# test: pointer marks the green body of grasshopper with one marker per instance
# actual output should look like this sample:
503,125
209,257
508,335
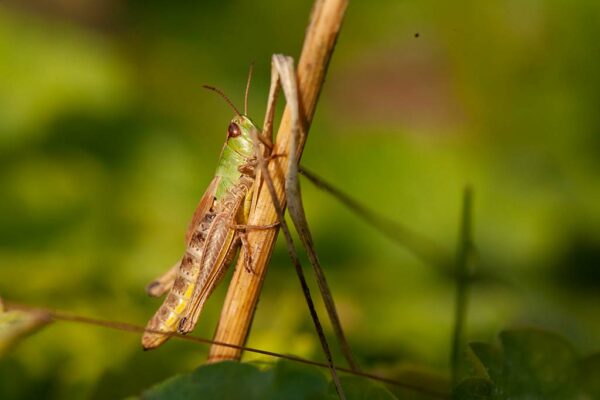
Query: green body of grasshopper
211,240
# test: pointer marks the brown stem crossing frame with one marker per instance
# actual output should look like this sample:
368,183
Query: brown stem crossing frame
244,289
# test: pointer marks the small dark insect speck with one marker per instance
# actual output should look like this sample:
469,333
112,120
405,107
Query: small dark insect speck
417,34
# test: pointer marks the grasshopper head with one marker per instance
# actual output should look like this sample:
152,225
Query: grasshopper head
239,135
239,131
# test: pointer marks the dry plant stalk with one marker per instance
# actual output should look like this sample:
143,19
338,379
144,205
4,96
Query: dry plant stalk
244,289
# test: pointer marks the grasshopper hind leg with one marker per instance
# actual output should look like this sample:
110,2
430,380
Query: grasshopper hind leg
163,283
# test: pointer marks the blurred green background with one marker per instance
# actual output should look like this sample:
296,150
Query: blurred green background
107,142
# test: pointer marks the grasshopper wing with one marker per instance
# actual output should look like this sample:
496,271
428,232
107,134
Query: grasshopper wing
217,256
203,207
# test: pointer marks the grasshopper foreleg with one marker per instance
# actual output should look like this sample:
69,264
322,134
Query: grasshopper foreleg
266,141
244,228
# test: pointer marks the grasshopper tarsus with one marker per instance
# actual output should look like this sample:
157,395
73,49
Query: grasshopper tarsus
153,289
248,264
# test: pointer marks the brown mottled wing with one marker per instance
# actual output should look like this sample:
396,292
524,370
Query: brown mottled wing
214,266
203,207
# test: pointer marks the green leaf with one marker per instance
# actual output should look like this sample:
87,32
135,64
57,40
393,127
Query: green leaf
487,360
356,388
538,364
473,389
281,381
225,380
294,381
531,364
590,376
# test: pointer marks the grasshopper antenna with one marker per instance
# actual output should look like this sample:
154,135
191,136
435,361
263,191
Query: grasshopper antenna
214,89
248,88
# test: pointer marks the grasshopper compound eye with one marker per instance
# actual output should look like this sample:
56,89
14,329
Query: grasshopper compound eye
233,130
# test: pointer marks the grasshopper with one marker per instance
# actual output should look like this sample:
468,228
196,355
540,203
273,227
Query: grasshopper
214,235
221,219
